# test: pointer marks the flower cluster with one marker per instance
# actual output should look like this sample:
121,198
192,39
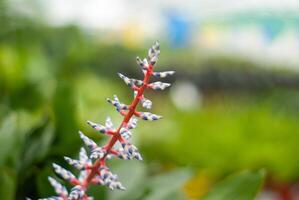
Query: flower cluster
91,164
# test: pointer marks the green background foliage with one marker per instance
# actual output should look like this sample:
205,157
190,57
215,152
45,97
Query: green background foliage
54,79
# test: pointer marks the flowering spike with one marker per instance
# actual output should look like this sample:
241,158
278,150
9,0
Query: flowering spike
93,167
88,142
158,85
63,173
59,189
163,74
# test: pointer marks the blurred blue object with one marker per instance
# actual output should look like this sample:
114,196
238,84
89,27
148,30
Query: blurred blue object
178,30
272,29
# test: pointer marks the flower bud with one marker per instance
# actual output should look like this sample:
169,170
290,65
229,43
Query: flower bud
63,173
158,85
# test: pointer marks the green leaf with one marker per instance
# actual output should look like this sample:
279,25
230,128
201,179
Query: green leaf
8,139
244,186
132,175
168,186
8,184
38,144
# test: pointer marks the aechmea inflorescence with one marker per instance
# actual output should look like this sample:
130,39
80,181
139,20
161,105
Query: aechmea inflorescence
92,165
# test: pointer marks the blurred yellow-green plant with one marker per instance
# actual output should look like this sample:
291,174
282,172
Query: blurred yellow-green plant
54,78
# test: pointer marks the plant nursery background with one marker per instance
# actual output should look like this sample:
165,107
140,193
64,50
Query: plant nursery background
233,108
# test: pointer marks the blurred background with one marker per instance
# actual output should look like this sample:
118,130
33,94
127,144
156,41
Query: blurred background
233,106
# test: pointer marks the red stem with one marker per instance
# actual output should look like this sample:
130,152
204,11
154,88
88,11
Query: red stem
117,136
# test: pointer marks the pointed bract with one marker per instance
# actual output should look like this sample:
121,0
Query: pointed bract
125,133
119,106
158,85
63,173
98,153
131,150
142,64
77,193
146,103
163,74
83,155
87,141
59,189
98,127
75,163
149,116
109,124
132,123
153,53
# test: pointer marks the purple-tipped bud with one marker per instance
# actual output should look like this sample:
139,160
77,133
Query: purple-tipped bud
124,155
83,155
98,127
59,189
132,123
127,80
158,85
125,133
142,64
149,116
131,82
75,163
97,153
106,175
116,185
87,141
163,74
77,193
137,82
110,180
131,150
119,106
109,124
146,103
153,53
63,173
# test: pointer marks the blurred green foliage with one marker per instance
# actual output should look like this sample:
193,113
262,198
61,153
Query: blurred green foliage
54,79
243,186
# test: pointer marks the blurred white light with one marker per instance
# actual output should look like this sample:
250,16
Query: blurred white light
185,95
268,195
